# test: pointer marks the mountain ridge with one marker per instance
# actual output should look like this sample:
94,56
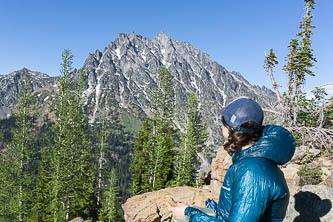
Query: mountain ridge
126,72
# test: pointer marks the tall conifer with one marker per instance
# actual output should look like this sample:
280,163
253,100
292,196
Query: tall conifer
16,164
193,141
111,210
138,168
160,154
152,165
72,178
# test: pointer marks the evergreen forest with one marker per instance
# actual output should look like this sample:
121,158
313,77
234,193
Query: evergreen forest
60,169
56,169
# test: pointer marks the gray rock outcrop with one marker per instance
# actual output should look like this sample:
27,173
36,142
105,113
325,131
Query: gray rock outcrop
309,203
125,73
153,206
128,70
313,203
10,87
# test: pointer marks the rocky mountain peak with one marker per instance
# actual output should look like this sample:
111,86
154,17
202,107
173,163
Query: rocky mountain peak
164,40
10,87
127,72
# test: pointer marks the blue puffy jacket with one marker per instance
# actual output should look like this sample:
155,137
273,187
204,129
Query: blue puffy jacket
254,188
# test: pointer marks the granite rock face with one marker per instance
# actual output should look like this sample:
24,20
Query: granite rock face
126,72
219,167
10,87
153,206
312,203
309,203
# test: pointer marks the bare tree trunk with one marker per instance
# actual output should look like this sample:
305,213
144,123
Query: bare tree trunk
275,86
296,99
153,178
67,210
100,167
321,116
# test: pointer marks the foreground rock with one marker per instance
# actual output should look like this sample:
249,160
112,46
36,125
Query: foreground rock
308,203
153,206
312,203
219,167
79,219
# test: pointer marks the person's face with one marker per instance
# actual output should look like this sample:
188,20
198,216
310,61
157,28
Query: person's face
225,132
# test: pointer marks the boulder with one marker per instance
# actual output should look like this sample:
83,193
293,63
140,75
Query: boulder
219,167
311,204
291,176
300,153
307,203
152,206
329,181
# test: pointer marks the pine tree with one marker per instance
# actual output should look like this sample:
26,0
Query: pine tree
102,135
328,113
152,165
304,58
16,164
138,166
300,60
45,138
72,178
42,198
270,62
311,112
160,154
111,210
288,102
193,141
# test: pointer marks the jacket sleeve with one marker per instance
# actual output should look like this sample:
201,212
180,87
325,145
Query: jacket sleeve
250,193
196,215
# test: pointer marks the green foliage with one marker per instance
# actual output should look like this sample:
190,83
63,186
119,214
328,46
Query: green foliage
328,113
309,175
59,177
111,209
160,154
138,168
71,162
304,56
310,113
300,60
270,60
131,123
193,141
290,67
114,148
6,131
153,149
16,163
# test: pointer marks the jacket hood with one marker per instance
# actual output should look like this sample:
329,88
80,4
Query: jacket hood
276,144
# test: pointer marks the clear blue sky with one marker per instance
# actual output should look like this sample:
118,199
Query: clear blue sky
235,33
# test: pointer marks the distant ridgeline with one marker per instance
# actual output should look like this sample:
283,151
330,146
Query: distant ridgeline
128,70
117,95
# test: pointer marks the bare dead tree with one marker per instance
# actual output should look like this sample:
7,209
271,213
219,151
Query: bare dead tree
270,62
315,137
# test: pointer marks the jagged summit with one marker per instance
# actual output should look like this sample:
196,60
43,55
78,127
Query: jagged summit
126,71
10,87
29,72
